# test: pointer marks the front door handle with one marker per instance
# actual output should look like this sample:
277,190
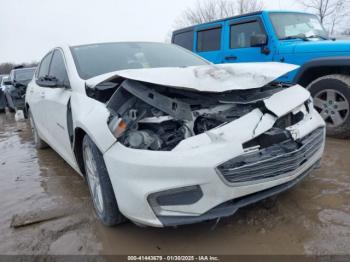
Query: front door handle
231,58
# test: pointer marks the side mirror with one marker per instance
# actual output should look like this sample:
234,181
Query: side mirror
49,81
258,40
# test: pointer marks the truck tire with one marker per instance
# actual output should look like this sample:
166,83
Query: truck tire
331,94
100,185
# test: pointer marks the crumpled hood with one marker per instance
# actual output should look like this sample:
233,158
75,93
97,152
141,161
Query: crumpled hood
208,78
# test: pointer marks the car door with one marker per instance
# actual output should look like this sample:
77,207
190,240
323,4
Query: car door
208,42
57,101
35,97
237,44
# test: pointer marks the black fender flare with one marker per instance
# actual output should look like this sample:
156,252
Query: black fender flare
333,63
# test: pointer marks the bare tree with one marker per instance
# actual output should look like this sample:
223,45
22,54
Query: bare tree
246,6
339,14
209,10
330,12
346,32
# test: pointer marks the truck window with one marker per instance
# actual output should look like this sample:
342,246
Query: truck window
240,34
209,39
184,39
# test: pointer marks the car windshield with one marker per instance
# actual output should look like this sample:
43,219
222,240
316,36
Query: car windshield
24,74
297,25
97,59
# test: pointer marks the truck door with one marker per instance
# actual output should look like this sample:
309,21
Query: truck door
239,41
209,42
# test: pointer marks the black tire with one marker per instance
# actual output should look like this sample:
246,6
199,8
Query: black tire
39,143
337,118
109,214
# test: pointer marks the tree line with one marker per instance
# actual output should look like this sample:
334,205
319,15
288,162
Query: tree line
5,68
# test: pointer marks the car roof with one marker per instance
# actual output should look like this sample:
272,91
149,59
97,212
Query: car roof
24,69
235,17
218,20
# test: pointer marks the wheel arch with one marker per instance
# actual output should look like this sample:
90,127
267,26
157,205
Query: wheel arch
26,110
320,67
79,135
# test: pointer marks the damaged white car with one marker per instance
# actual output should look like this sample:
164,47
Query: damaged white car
164,138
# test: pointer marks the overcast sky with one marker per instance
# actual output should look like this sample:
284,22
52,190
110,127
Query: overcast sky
29,28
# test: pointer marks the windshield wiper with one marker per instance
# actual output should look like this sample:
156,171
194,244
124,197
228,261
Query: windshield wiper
318,36
299,36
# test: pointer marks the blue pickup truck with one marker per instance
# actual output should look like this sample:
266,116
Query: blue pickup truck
287,37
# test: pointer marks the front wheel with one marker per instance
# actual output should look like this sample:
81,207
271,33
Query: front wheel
331,96
100,186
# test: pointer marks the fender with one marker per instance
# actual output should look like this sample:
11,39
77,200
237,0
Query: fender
335,64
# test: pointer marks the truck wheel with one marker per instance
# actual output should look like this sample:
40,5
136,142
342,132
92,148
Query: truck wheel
100,185
331,96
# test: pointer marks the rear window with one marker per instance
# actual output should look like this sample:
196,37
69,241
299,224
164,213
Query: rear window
184,39
209,39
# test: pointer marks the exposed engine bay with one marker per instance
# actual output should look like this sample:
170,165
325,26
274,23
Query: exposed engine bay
153,117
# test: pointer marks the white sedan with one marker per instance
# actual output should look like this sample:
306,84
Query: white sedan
165,138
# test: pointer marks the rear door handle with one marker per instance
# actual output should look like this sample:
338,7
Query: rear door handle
42,94
231,58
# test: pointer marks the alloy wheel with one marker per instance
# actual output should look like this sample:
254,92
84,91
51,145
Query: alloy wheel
93,179
332,106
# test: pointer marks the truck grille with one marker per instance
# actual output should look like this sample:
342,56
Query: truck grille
272,161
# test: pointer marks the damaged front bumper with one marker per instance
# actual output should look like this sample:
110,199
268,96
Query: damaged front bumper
213,174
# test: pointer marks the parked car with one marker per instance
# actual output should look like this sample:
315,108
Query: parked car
165,138
16,91
3,78
288,37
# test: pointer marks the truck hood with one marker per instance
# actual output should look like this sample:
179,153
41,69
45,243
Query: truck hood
208,78
322,46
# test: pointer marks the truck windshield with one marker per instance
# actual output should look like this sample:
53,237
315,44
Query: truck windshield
97,59
297,25
24,74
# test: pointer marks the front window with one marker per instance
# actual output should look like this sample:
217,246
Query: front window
241,34
24,74
297,25
97,59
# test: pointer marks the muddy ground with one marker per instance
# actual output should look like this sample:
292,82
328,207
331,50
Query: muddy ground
312,218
